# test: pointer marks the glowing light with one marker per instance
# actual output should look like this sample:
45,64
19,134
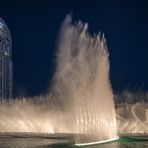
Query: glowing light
97,142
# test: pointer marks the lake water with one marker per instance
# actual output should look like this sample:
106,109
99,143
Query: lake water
60,141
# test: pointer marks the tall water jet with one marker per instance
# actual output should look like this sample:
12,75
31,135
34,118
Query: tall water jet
81,82
80,96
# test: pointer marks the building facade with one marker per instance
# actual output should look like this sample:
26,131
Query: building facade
5,62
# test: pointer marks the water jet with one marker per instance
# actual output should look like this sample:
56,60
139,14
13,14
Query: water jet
80,96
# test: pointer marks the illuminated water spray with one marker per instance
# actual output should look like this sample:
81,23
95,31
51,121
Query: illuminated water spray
82,81
80,98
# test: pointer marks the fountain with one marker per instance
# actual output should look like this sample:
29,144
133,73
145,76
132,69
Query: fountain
80,99
132,116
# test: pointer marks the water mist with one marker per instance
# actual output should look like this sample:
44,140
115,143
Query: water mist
80,96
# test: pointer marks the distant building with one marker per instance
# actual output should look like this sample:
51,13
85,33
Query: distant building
5,62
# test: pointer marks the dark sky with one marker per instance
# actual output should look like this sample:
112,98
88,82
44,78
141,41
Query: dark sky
34,29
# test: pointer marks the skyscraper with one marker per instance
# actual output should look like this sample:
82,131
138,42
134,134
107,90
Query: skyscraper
5,62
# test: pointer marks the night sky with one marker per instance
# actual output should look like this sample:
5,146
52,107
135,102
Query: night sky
34,29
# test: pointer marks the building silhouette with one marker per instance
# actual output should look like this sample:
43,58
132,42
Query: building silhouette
5,62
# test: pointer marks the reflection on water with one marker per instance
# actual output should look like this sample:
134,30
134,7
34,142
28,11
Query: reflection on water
13,141
46,143
123,145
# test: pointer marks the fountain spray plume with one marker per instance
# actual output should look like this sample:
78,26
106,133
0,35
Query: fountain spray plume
81,82
80,96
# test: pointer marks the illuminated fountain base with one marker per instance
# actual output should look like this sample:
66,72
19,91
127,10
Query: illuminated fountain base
63,140
97,142
44,139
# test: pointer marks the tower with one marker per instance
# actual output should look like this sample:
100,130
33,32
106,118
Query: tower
5,62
